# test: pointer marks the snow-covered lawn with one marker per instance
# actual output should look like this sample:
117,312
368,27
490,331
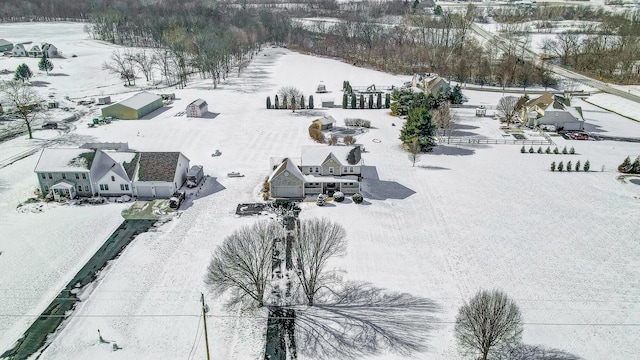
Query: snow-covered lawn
564,245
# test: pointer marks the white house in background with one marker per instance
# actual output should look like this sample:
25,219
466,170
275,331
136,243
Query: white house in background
321,169
18,50
568,119
50,50
197,108
84,172
35,51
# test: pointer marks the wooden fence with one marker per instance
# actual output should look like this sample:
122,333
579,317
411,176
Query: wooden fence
469,141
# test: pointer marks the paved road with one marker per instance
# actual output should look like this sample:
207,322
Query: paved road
532,57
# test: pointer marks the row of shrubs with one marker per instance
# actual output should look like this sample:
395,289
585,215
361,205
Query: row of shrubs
569,167
571,151
356,198
291,104
357,122
627,167
352,100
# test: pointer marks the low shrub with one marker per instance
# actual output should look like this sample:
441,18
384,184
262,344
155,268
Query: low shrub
338,196
357,198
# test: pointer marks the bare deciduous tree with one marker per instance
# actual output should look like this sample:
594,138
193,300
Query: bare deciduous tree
445,120
290,92
507,108
488,321
145,62
318,240
25,100
242,263
414,151
121,65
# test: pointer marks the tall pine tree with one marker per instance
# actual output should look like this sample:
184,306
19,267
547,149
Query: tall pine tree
419,126
45,64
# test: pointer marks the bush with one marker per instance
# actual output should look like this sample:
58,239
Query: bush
353,101
333,140
523,150
315,133
370,101
338,196
555,151
531,151
548,151
379,101
387,100
349,140
277,103
572,151
301,101
265,196
587,165
553,166
310,101
564,151
361,101
626,166
569,166
344,101
357,198
285,105
539,150
268,102
560,166
578,165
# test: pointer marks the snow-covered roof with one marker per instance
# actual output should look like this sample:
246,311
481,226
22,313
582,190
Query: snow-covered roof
558,116
105,162
326,120
199,103
287,165
63,184
140,100
316,155
4,42
65,160
330,179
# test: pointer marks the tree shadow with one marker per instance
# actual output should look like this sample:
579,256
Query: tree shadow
531,352
430,167
39,83
451,150
374,188
362,320
57,74
156,112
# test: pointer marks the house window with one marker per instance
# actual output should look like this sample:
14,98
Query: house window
126,187
84,176
101,187
331,170
64,175
122,187
44,176
46,189
351,169
106,187
113,178
77,176
86,188
79,187
50,176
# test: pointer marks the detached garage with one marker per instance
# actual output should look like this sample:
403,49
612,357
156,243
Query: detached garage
286,181
134,107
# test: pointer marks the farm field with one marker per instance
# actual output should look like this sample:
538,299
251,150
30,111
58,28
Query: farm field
563,245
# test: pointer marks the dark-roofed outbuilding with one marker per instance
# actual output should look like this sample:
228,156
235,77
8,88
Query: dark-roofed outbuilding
159,174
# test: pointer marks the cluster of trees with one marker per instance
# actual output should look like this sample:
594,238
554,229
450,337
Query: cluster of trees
571,151
244,264
292,98
359,102
628,167
569,167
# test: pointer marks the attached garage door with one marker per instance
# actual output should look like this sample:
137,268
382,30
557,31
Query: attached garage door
144,192
288,191
163,192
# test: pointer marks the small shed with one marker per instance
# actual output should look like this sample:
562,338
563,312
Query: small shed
134,107
328,103
327,122
105,100
481,111
5,45
197,108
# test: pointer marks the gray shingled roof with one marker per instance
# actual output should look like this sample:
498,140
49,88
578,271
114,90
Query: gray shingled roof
158,166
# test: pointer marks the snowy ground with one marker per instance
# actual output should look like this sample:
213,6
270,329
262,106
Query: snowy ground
564,245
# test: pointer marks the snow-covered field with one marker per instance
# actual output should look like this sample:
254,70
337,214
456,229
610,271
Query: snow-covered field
564,245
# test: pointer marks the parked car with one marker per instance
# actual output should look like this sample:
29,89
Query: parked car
50,125
176,199
579,136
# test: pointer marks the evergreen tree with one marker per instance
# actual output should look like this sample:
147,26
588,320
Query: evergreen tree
277,103
310,101
361,101
564,151
635,167
301,101
419,125
539,150
353,101
293,103
268,102
437,11
344,101
285,105
23,73
569,166
578,165
523,149
555,151
531,151
587,165
387,100
456,95
560,166
572,151
45,64
553,166
370,101
379,101
548,151
625,167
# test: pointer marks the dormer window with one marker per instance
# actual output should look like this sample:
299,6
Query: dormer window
113,178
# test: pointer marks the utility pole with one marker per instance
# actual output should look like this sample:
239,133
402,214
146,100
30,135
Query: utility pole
205,309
